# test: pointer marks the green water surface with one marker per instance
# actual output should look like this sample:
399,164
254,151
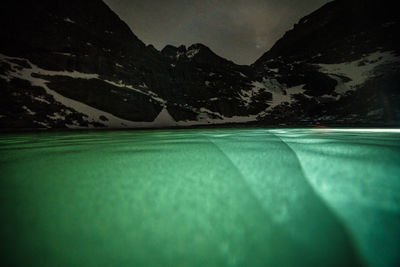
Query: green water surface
218,197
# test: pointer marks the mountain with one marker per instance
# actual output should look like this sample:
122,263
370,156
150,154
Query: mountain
344,57
216,88
76,64
67,60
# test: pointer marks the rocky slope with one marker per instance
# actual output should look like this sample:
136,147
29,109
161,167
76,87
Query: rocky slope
344,57
76,64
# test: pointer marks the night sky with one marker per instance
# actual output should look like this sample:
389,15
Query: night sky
239,30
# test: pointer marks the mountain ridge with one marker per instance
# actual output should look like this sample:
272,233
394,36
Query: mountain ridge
92,73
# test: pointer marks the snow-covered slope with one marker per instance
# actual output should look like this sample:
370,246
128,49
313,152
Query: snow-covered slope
346,58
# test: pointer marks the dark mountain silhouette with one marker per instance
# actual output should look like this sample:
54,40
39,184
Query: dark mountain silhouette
76,64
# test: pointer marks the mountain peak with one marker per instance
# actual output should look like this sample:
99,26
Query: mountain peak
334,25
197,51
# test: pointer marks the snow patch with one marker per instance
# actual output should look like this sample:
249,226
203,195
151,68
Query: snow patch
164,119
6,78
279,98
280,93
191,53
143,85
274,70
179,54
341,88
317,55
296,89
361,70
26,73
64,54
266,85
30,112
69,20
40,99
56,116
388,24
151,94
46,125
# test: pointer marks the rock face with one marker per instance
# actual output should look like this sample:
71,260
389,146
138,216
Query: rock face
212,86
76,64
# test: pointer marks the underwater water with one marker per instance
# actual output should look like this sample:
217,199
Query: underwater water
217,197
